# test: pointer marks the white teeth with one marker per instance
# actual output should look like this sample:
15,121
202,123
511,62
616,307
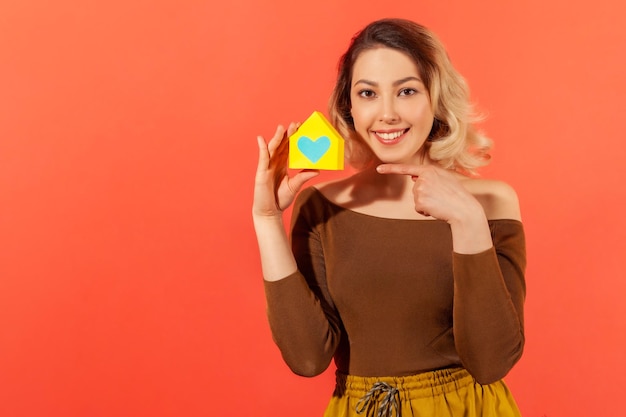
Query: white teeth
390,136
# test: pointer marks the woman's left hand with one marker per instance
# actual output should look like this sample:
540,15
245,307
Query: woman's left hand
438,192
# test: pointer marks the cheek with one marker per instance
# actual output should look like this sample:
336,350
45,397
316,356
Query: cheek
362,117
421,117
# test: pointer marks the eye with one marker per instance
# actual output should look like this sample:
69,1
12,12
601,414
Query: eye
366,93
407,92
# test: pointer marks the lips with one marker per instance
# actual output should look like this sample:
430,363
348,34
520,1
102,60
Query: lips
390,137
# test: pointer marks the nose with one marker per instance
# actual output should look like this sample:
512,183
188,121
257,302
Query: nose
388,113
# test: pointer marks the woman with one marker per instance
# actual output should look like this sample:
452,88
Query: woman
409,273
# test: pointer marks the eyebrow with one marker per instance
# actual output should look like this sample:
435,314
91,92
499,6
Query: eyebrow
395,83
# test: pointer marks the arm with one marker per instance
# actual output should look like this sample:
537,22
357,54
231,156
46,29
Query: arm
296,318
304,322
489,293
489,284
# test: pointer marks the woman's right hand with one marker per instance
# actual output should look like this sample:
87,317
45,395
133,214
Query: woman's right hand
274,190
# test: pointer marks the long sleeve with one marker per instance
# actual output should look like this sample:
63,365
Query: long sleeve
302,317
489,293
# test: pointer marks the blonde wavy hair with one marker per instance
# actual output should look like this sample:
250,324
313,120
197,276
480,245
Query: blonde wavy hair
453,141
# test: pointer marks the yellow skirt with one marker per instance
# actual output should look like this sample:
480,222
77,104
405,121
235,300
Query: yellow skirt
446,392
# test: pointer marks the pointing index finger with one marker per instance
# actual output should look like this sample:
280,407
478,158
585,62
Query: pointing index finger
402,169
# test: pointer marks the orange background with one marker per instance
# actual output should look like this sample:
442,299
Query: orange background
130,283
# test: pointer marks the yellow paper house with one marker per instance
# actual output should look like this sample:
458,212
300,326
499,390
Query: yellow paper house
316,145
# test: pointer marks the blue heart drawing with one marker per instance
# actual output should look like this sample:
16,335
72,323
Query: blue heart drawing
314,149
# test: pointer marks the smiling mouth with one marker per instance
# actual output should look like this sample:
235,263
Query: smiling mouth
390,138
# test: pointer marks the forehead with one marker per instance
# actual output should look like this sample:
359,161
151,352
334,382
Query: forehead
383,63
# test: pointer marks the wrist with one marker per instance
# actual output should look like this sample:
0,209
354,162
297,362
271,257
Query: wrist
471,214
267,219
470,232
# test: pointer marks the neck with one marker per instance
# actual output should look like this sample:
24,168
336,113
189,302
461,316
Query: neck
384,186
393,182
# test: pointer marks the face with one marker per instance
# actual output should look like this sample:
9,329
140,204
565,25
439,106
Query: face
390,105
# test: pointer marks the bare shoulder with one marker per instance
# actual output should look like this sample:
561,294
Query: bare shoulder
499,199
